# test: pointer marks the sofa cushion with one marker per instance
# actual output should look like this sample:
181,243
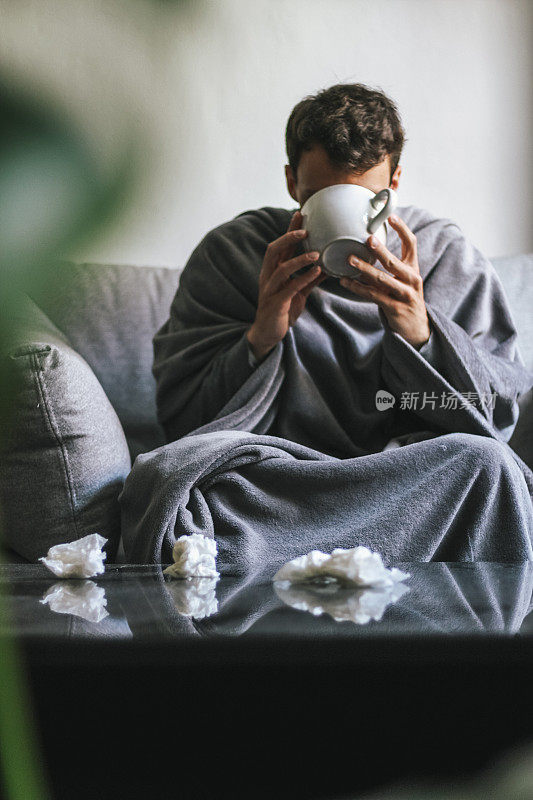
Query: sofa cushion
110,314
64,455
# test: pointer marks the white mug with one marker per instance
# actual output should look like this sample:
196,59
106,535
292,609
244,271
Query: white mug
339,219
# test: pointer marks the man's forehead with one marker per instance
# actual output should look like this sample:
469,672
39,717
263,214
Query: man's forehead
307,190
315,171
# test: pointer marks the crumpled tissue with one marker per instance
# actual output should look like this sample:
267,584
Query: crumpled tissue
343,604
355,566
195,597
194,557
81,598
80,559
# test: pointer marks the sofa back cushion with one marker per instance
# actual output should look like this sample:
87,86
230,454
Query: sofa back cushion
110,314
63,455
516,275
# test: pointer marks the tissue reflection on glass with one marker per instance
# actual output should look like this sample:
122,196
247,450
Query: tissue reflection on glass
81,598
355,566
82,558
195,563
324,584
194,557
194,597
341,603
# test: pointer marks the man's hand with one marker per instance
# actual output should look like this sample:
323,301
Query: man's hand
400,295
281,298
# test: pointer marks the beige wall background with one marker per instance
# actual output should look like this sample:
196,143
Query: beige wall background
209,86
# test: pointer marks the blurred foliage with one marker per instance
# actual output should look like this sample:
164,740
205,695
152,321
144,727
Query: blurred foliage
53,197
52,191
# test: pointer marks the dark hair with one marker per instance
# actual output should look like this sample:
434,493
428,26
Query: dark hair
356,125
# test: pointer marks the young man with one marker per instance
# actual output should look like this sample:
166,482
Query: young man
305,412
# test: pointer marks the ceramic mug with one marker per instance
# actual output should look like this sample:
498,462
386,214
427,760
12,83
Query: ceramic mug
339,219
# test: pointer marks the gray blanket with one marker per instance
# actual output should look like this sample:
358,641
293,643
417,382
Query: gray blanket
295,454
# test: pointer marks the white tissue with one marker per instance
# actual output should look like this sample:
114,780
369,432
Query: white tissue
80,559
195,597
194,557
359,605
82,599
357,566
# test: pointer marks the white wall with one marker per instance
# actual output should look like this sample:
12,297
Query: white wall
212,85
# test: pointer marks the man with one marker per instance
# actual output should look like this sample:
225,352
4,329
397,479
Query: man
305,412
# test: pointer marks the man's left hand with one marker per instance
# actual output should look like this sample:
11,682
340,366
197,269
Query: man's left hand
401,294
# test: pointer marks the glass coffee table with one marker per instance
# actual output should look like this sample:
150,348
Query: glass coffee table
150,686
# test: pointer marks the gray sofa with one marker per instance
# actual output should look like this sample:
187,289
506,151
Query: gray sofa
85,397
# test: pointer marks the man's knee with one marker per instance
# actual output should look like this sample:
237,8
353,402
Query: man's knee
484,451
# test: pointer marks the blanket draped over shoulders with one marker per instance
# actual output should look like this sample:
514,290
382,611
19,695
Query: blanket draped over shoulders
296,453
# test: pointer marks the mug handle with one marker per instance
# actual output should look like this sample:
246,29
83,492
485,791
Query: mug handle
382,215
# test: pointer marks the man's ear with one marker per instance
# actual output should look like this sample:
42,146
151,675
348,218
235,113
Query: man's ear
291,182
396,178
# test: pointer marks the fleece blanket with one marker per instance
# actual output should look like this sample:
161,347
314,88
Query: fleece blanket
296,454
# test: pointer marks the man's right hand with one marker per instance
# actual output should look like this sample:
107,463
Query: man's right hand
281,298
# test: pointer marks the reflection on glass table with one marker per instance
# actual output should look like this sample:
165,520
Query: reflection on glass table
342,604
79,598
141,602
